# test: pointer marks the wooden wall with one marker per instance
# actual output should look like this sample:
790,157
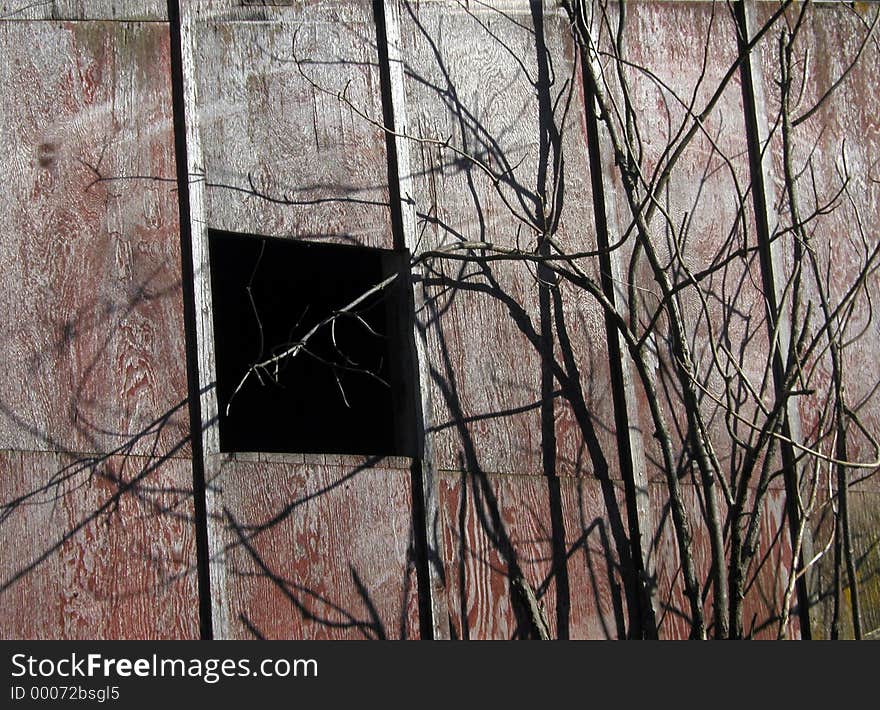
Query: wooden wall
840,144
521,424
521,476
95,474
709,185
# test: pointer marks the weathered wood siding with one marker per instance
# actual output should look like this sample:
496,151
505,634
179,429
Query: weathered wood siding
95,482
495,523
835,155
97,547
522,478
118,10
316,551
315,546
764,581
483,80
702,202
283,156
519,372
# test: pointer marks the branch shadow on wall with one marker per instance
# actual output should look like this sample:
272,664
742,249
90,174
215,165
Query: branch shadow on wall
509,545
98,523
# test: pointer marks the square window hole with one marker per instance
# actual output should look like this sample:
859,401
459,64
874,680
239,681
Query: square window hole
348,391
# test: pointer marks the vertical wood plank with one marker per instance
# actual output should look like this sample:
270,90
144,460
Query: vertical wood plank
775,275
631,453
90,292
833,148
97,500
483,319
428,468
701,202
331,163
207,408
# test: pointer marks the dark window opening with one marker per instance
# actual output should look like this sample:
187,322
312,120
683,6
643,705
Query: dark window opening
347,391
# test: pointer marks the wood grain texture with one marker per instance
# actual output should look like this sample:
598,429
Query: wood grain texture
322,547
839,142
257,10
96,547
435,587
836,146
766,577
92,325
701,202
335,559
483,80
84,10
196,234
313,551
493,524
319,169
